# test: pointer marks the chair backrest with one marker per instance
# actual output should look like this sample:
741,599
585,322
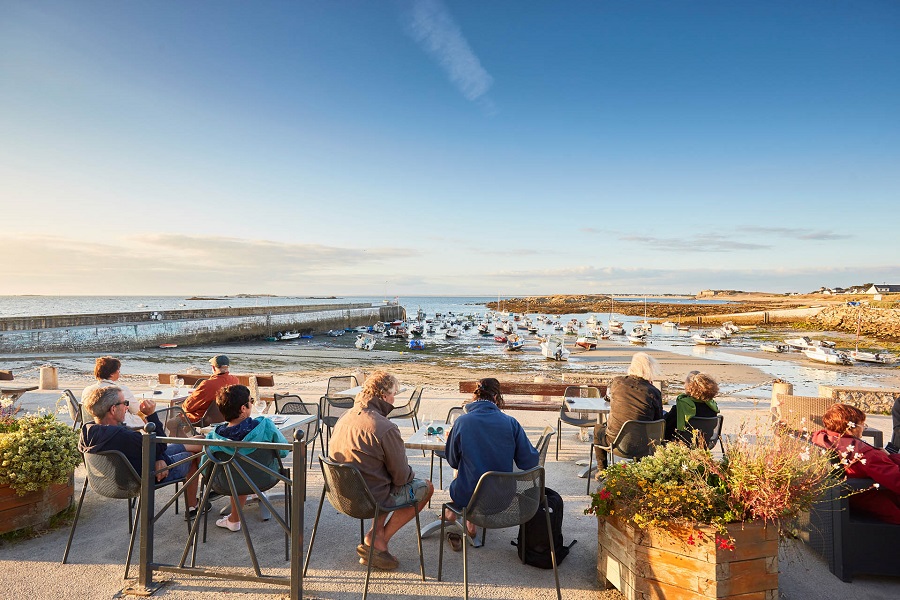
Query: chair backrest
410,408
453,414
176,422
581,391
506,499
211,416
543,443
111,475
347,490
74,407
708,428
311,429
280,399
638,439
256,465
338,384
797,412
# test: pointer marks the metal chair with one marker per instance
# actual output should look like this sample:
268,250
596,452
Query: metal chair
348,494
574,391
292,404
543,444
709,431
636,439
452,414
75,409
410,410
501,500
111,475
332,405
176,422
211,416
259,471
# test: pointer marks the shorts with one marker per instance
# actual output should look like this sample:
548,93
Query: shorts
175,453
414,491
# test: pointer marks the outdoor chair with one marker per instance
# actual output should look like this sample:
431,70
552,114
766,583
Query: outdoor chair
175,422
111,475
410,410
75,409
500,500
292,404
709,430
332,405
452,414
543,443
348,494
567,418
635,440
803,414
238,474
212,416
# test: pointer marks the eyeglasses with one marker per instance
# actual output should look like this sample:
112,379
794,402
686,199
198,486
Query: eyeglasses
125,402
435,430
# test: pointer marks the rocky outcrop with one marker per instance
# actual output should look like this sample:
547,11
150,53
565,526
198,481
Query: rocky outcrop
880,323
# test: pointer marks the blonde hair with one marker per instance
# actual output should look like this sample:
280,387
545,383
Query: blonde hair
702,387
378,384
644,366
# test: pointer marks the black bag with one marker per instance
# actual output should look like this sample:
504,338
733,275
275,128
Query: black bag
532,544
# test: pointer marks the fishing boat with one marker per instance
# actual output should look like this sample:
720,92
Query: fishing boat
616,328
554,348
365,341
331,333
417,344
775,348
669,324
500,338
379,327
829,356
509,327
704,339
591,321
287,335
637,336
514,343
683,327
570,329
730,327
416,329
484,328
588,342
168,346
451,333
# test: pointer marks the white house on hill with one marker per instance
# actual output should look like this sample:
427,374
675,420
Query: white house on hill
884,289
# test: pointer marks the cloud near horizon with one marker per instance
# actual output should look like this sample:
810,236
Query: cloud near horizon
432,27
697,243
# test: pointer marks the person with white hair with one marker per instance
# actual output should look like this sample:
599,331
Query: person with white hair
631,398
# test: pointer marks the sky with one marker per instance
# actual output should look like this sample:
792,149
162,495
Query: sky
432,147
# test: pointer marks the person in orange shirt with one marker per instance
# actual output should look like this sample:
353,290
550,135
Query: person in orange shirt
205,394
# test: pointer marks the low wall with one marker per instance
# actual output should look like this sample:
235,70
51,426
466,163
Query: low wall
875,401
125,331
762,317
881,323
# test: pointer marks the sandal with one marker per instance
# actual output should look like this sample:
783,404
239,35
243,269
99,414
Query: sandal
455,541
380,559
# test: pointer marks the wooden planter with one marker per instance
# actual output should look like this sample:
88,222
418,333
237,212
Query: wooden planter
653,564
34,508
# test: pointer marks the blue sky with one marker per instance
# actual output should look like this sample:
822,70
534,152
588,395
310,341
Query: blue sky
448,147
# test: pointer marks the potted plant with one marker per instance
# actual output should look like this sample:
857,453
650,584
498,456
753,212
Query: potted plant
682,523
38,456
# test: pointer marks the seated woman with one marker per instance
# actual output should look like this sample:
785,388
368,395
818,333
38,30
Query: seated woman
484,439
843,426
107,371
234,402
696,401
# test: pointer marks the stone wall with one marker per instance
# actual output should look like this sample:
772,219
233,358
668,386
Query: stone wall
881,323
873,401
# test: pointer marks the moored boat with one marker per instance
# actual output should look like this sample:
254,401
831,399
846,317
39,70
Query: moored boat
829,356
588,342
554,348
776,348
882,358
514,343
704,339
365,341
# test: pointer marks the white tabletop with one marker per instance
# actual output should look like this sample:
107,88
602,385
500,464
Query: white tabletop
167,394
587,405
420,440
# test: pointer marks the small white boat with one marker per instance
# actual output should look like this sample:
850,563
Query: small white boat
588,342
484,328
554,348
331,333
451,333
637,338
591,321
683,328
828,355
365,341
416,329
509,327
616,328
669,324
775,348
704,339
514,343
882,358
805,343
730,327
379,327
288,335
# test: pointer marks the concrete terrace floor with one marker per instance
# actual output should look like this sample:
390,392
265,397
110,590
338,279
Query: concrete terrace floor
32,569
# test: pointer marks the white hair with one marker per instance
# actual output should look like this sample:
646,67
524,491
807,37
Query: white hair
644,366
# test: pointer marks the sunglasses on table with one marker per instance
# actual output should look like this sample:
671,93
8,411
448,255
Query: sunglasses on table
435,430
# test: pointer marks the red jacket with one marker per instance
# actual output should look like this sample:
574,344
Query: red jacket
205,394
867,461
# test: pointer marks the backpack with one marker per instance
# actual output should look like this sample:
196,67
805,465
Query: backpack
533,547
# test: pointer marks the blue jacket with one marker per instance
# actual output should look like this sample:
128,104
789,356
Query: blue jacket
264,430
485,439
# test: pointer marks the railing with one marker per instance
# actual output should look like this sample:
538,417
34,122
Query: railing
293,526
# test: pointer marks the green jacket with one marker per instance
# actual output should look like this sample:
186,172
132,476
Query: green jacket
686,409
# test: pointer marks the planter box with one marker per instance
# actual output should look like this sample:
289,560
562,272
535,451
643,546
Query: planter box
34,508
653,564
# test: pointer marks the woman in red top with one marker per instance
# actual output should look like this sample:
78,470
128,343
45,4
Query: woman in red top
843,426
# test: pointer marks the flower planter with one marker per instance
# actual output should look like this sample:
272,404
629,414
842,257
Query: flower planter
644,564
34,508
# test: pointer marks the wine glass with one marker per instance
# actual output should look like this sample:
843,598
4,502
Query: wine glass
260,405
179,382
152,383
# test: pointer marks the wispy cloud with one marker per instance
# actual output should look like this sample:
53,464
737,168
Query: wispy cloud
697,243
435,30
797,233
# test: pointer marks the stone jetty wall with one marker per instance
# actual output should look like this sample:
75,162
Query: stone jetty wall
873,401
112,332
881,323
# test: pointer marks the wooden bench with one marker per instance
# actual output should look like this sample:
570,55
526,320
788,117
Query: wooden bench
263,381
6,376
525,388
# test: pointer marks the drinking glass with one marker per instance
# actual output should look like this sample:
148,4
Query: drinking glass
260,405
152,383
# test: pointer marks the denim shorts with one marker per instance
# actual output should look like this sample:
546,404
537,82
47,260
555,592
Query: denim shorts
174,453
414,491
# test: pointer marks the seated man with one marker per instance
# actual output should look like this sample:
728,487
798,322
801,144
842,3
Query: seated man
107,432
205,394
365,438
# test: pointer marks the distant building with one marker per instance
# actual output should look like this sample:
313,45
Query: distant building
883,289
707,293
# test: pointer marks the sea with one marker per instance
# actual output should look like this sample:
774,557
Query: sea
470,349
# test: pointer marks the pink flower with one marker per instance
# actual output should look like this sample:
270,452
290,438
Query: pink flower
604,494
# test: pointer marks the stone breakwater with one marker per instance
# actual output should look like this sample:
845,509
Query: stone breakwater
880,323
580,304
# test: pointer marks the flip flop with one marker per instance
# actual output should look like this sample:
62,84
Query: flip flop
455,541
380,559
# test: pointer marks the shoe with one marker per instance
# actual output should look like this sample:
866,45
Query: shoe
226,524
193,511
455,541
380,560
